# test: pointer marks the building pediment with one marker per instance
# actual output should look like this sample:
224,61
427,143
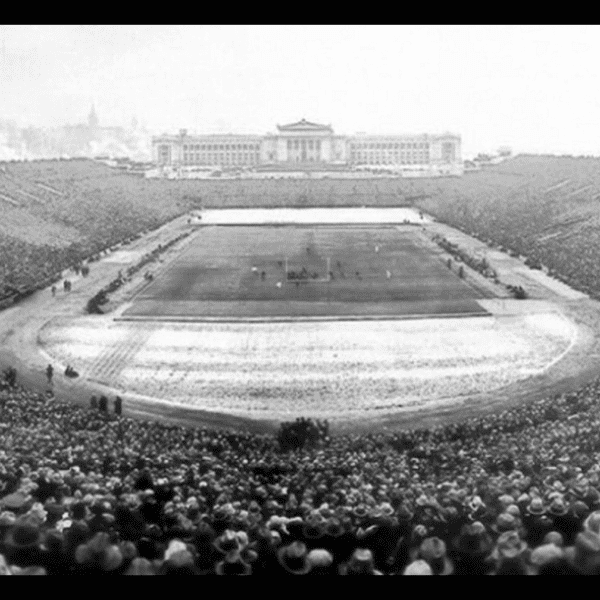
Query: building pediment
304,125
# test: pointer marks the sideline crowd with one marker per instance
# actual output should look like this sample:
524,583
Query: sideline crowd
87,491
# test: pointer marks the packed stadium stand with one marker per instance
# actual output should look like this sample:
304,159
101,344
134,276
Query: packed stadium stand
57,213
88,491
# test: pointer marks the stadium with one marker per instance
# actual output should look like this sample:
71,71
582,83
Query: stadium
305,370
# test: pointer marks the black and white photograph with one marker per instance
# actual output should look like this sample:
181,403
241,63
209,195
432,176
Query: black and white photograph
299,300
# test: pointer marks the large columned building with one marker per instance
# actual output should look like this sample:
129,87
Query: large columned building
306,146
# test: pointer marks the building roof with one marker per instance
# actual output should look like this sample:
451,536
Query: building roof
304,125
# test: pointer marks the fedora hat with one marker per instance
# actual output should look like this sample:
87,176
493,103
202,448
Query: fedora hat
361,563
15,502
506,500
579,510
558,507
25,533
334,529
554,537
585,554
418,567
99,552
233,564
592,522
505,522
140,566
536,507
228,541
433,551
312,530
545,554
319,558
293,558
509,546
474,540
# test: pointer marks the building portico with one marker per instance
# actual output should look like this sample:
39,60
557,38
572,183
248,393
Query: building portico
305,145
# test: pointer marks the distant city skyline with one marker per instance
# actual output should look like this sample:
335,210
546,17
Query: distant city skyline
532,88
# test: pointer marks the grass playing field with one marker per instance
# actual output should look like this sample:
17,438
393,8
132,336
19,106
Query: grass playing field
241,272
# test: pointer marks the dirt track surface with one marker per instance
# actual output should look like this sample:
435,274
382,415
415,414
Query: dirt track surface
19,346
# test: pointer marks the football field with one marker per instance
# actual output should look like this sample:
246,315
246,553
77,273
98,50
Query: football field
304,271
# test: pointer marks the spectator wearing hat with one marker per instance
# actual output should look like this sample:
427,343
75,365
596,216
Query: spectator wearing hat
233,564
54,558
584,556
336,539
206,554
592,522
293,559
313,532
418,567
433,551
546,558
321,562
7,520
267,543
360,563
98,556
553,537
537,521
75,534
418,534
509,554
472,548
178,560
507,522
23,543
17,502
567,520
140,566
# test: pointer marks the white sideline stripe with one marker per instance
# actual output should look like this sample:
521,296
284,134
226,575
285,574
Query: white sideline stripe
307,216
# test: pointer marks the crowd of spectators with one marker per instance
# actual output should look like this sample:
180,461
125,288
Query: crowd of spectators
87,491
74,211
94,304
517,205
542,208
62,213
95,492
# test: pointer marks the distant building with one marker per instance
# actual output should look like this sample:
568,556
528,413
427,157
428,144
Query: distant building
86,139
307,146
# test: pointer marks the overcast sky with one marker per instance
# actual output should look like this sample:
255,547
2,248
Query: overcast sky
535,89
